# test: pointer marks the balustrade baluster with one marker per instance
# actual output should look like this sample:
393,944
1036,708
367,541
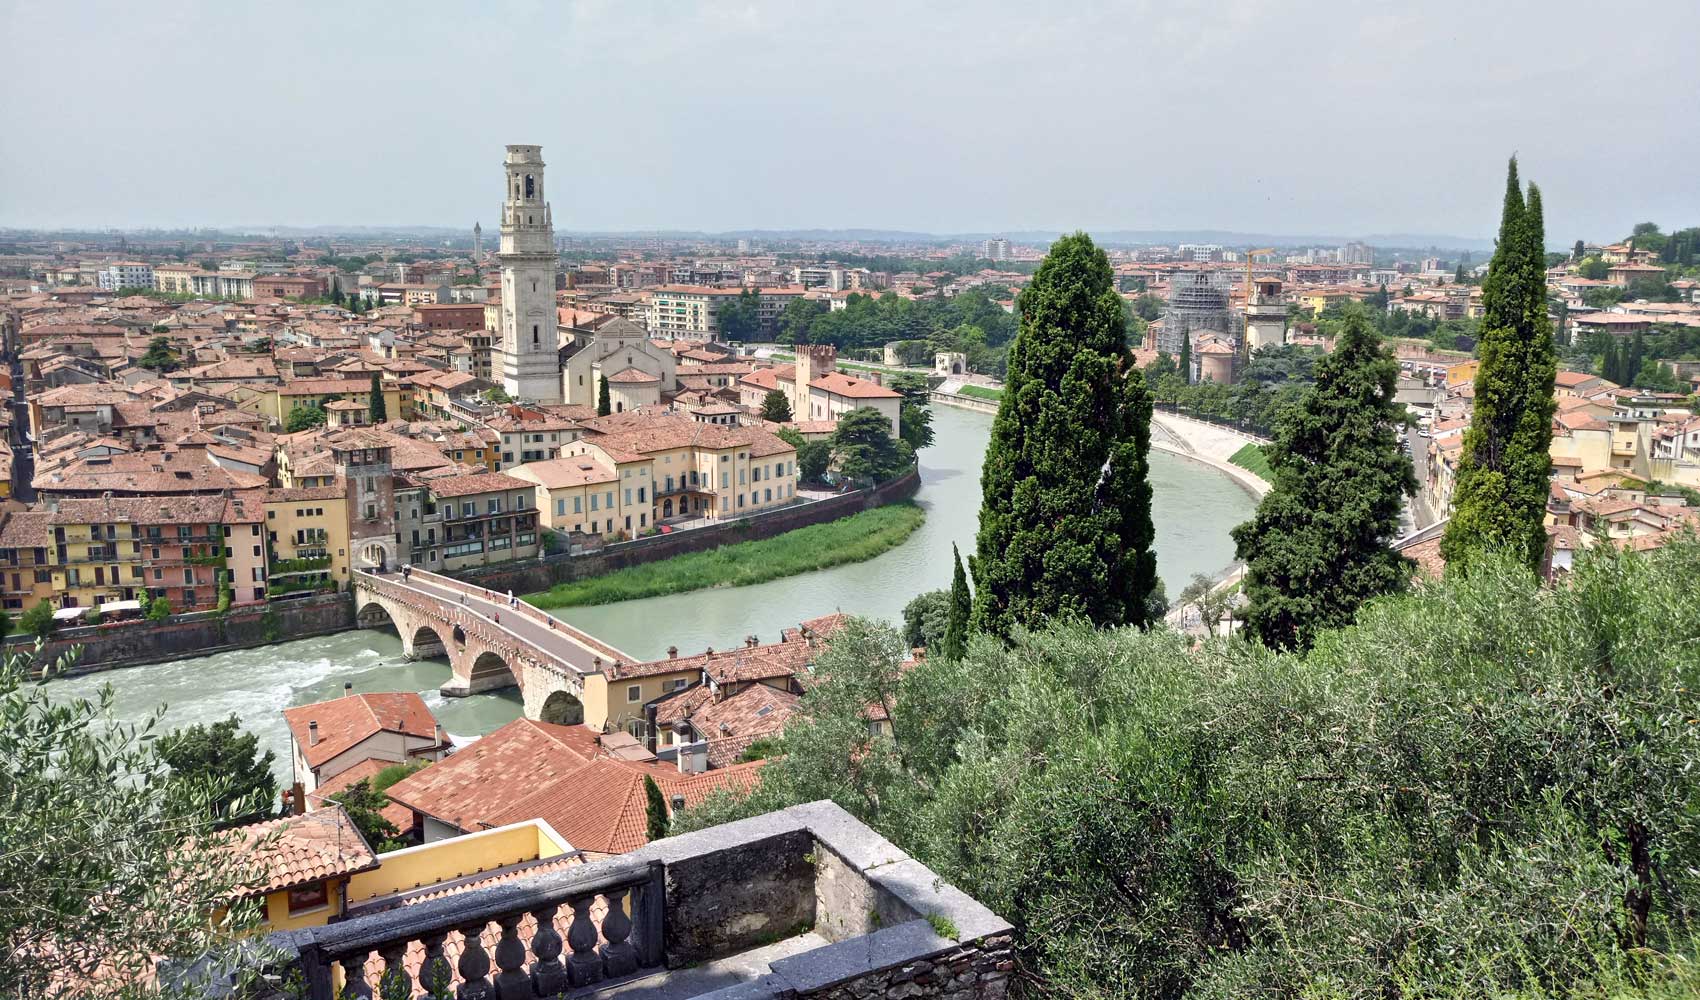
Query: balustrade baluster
585,966
436,976
474,965
619,957
548,975
512,982
395,983
354,983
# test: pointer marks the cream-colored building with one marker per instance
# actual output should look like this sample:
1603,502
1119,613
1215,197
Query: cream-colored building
633,471
620,350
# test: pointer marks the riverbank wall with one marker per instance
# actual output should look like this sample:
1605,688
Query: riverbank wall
130,644
962,402
1208,443
541,574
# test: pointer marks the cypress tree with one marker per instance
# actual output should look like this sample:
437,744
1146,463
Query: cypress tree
1608,363
1320,543
1065,518
1185,362
961,612
603,406
1637,357
375,406
1505,468
655,809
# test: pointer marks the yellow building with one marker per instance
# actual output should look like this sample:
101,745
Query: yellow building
26,559
110,549
307,531
1461,372
615,698
311,868
575,494
276,401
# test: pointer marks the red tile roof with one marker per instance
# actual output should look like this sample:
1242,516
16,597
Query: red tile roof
344,722
310,847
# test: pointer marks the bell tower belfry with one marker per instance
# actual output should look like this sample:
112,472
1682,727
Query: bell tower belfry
530,351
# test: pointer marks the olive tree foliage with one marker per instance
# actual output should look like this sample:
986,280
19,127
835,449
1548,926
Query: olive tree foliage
107,861
1480,788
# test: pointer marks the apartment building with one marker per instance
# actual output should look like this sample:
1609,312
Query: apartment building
26,560
307,537
450,523
125,548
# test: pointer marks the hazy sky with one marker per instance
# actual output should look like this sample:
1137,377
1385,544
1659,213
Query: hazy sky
1249,115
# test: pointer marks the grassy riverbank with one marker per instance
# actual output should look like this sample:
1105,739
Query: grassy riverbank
980,392
818,546
1250,458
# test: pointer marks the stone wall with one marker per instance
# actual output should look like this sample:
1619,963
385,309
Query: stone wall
978,970
541,574
743,895
128,644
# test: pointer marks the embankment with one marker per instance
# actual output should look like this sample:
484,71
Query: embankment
1208,443
129,644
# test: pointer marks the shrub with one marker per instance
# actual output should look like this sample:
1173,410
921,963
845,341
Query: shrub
93,617
38,621
159,610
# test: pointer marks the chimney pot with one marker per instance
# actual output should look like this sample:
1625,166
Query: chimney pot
672,652
347,687
312,732
709,653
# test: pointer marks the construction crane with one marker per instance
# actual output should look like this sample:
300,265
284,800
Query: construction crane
1249,254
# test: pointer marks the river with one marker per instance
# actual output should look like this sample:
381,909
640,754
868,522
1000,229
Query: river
1194,507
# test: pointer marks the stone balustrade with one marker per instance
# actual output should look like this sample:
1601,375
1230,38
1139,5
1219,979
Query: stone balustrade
803,902
500,943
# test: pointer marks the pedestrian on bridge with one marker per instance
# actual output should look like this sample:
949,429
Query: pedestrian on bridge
512,601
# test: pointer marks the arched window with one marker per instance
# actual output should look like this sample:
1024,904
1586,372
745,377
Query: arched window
534,333
530,187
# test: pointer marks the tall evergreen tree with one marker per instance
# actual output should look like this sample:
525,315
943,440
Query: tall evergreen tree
776,406
603,405
961,611
1637,357
375,406
1185,361
655,809
1505,469
1578,251
1065,518
1320,543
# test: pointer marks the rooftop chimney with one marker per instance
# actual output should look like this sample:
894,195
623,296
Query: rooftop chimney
347,688
312,732
751,641
672,652
297,799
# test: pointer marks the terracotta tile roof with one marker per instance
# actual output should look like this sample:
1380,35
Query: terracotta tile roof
24,529
559,473
482,482
139,510
344,722
840,384
495,771
632,376
310,847
603,808
400,816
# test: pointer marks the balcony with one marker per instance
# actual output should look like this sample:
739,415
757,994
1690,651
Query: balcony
798,903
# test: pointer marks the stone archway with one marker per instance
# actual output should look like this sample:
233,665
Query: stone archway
426,644
375,555
459,637
374,615
490,671
562,709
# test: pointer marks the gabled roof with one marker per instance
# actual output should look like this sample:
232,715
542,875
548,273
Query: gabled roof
310,847
344,722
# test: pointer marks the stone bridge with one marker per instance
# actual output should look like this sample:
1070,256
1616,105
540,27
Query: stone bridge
488,644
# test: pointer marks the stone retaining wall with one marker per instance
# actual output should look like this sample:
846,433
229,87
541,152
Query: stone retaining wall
128,644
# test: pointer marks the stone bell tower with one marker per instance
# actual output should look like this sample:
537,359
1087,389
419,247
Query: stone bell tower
530,352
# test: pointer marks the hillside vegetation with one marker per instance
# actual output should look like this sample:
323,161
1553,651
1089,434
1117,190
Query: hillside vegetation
1483,788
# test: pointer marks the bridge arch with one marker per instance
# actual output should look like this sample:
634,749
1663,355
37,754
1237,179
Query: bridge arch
426,643
562,708
491,670
373,614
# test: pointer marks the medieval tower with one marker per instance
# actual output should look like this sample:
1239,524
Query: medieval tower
477,243
530,352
